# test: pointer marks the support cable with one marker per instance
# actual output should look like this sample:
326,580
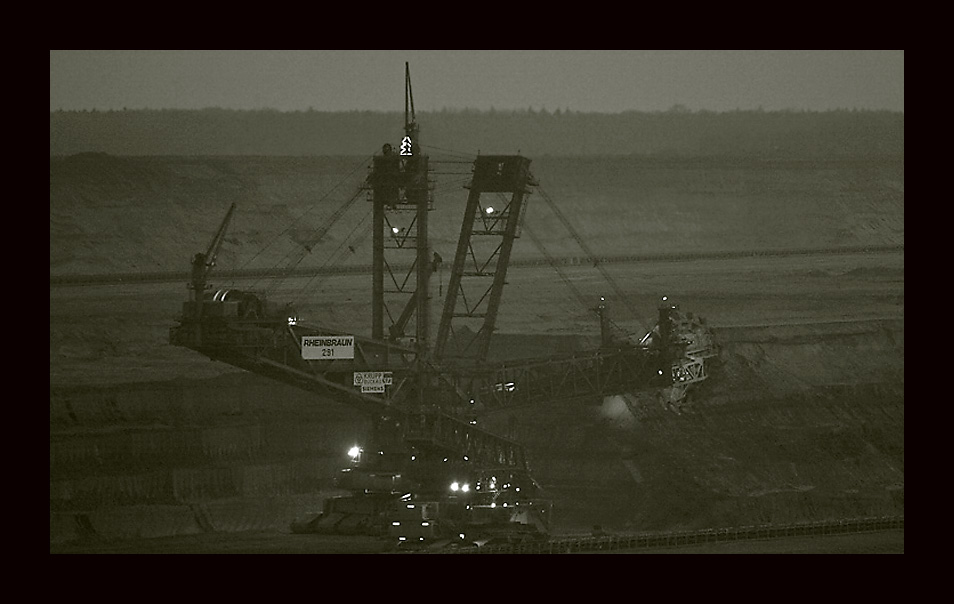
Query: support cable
296,255
580,298
454,184
312,208
451,151
593,258
347,244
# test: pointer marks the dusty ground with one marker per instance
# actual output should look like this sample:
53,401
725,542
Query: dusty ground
803,420
277,542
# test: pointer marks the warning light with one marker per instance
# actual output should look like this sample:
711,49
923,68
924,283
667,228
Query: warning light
396,230
489,210
354,452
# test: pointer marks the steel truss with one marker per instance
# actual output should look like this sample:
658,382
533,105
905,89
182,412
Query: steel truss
469,298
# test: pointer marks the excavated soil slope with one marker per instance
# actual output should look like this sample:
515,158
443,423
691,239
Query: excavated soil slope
803,417
138,214
796,424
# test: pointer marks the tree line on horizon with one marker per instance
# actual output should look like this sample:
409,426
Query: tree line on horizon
676,132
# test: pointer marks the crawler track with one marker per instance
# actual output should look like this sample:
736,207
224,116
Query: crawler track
575,545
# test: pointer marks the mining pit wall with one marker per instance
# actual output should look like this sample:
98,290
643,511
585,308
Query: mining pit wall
797,422
233,453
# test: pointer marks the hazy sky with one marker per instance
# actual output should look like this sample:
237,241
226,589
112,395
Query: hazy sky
582,80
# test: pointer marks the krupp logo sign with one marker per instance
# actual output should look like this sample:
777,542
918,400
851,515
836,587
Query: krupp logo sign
373,381
327,348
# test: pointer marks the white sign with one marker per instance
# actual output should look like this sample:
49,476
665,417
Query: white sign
406,146
385,378
373,381
327,348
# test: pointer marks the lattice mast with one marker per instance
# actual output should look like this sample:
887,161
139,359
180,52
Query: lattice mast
400,188
470,300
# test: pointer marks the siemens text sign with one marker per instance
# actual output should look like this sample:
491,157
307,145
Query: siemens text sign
327,347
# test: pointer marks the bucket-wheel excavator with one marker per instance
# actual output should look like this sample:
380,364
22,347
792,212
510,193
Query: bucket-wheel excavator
429,473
